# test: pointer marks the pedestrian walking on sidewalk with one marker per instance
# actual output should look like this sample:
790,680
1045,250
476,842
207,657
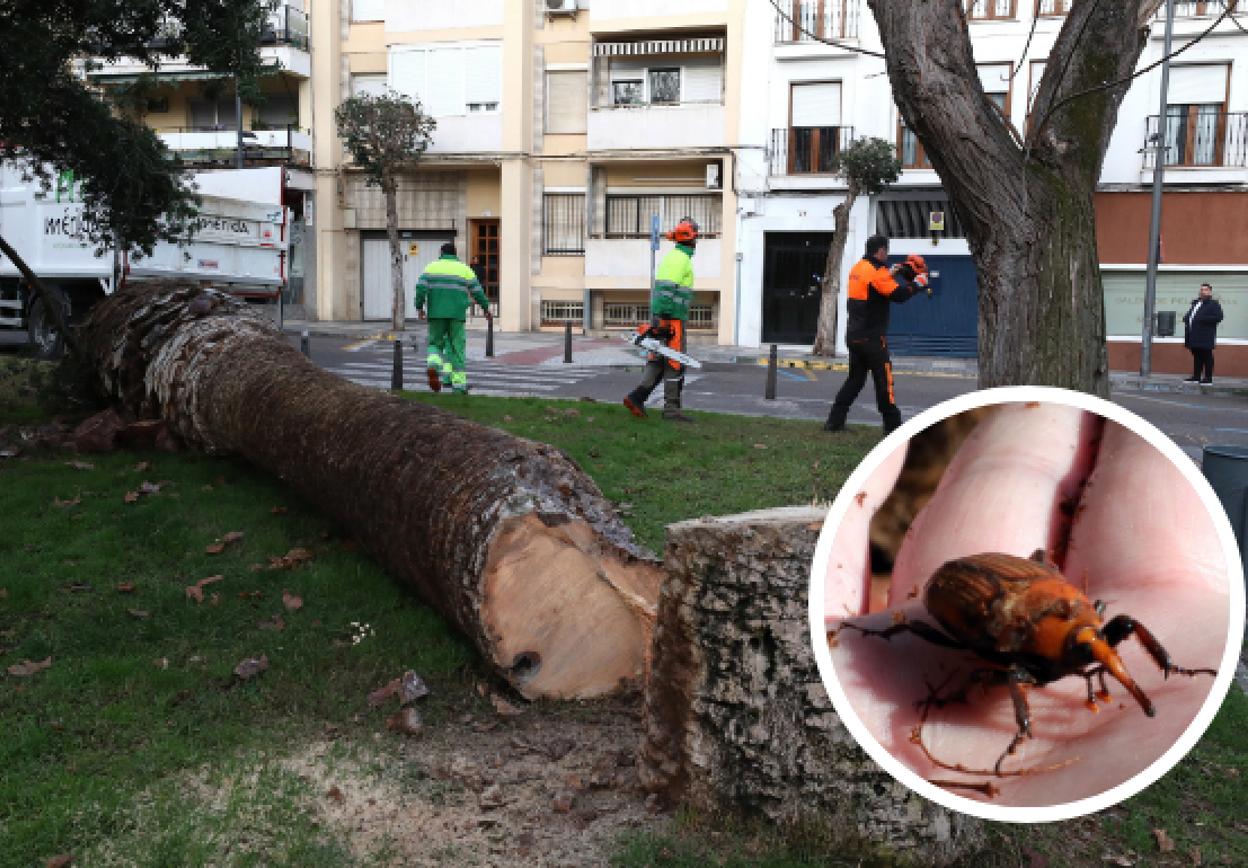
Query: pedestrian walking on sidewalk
669,309
449,287
1200,333
872,287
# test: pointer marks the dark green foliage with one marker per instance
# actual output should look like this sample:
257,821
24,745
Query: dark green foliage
51,117
383,133
868,165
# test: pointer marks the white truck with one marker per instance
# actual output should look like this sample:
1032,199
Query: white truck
238,243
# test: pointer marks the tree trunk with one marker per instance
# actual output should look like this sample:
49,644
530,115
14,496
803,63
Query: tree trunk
505,537
736,718
398,311
1026,207
825,336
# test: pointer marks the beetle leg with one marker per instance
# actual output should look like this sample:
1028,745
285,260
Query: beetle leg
918,628
1122,626
1019,680
1103,693
1091,702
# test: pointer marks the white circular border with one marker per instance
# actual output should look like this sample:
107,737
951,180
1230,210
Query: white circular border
1235,628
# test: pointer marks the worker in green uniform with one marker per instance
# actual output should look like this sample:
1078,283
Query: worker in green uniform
669,308
450,287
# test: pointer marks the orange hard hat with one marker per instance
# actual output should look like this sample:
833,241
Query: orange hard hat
918,263
685,232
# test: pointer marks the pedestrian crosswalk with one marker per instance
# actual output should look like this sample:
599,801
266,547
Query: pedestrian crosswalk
485,377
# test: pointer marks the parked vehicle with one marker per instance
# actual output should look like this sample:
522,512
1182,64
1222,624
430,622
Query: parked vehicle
236,244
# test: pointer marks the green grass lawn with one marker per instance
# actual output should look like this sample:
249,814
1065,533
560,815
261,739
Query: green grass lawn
140,689
139,703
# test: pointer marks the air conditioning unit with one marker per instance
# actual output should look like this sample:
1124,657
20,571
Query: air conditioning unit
561,7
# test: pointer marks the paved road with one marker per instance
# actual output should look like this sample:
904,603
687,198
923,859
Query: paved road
1192,420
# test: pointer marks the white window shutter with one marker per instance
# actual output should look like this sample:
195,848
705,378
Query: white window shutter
1197,85
484,74
703,80
1037,73
566,110
817,105
446,81
373,85
408,74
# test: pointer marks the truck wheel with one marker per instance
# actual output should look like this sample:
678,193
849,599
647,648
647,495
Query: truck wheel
48,342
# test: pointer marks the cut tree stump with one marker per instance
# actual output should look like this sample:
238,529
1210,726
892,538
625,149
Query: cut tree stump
505,537
736,716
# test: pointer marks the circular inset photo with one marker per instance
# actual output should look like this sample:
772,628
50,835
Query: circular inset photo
1027,604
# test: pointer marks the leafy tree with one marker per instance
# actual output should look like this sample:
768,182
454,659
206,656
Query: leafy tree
1024,201
385,134
53,118
868,165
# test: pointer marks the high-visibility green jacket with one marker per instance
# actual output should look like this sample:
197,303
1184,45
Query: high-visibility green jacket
673,284
450,287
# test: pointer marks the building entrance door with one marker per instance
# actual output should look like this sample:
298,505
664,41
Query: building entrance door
792,274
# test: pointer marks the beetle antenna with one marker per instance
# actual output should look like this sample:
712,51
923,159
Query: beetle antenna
1108,657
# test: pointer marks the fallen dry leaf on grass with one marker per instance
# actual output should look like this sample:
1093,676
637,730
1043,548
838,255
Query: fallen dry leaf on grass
250,595
30,667
80,465
232,537
214,548
406,721
503,707
144,490
138,614
251,667
143,467
1164,842
62,861
408,687
292,602
335,795
276,623
278,510
62,504
125,588
196,591
4,592
218,546
290,560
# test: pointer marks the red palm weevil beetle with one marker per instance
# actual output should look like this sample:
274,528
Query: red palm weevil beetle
1032,627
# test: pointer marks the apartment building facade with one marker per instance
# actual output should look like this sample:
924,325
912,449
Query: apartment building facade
816,97
208,127
563,129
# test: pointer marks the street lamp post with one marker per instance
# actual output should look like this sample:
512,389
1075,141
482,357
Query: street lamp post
1154,224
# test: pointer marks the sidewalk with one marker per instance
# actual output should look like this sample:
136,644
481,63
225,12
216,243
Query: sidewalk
533,348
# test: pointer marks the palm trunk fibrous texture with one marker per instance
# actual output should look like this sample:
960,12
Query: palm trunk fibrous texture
505,537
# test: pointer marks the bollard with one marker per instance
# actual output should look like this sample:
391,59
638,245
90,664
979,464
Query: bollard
396,375
567,342
1226,468
305,344
770,394
489,338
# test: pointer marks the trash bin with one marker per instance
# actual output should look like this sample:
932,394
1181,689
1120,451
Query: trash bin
1226,468
1166,323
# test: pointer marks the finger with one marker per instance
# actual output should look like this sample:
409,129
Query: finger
1003,492
847,587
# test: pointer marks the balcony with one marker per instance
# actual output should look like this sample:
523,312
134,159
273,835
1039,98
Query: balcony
1199,139
825,19
606,13
806,150
218,146
1050,8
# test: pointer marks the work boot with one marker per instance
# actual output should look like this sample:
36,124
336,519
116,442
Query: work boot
675,416
836,419
435,380
635,408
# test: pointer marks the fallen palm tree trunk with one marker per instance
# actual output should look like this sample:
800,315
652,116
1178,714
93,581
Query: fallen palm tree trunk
736,717
505,537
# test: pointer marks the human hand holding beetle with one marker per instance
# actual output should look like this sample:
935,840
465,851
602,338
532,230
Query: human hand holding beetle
1125,527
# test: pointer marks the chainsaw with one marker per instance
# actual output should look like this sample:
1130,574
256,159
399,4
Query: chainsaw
652,345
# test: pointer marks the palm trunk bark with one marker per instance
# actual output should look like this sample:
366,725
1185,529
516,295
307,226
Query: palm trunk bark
1026,205
736,719
505,537
825,336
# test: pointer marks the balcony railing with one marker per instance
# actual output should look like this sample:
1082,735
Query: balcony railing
1198,138
286,26
1192,9
1052,7
217,145
806,150
990,10
825,19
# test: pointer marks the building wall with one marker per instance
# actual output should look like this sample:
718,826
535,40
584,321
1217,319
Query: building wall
1198,227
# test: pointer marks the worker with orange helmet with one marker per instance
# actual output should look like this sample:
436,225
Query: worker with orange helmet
873,286
669,309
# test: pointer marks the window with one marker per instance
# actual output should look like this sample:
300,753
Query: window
566,98
995,79
665,86
814,126
368,10
1196,115
1037,73
213,114
278,112
628,215
1052,7
912,154
987,10
627,92
563,224
449,80
371,84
